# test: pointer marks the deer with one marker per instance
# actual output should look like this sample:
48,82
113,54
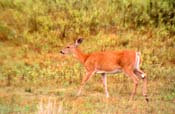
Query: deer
105,62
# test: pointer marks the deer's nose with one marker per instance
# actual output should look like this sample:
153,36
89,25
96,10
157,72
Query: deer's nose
61,52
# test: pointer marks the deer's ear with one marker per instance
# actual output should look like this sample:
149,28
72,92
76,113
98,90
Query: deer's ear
78,41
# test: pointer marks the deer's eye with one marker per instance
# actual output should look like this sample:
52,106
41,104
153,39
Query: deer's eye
68,47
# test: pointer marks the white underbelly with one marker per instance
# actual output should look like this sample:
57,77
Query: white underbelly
111,71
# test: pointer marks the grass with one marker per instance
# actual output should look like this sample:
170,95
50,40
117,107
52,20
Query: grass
45,82
92,100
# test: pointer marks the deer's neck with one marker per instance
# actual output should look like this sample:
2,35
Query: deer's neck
80,55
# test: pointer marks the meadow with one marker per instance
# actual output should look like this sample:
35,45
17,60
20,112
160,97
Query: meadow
36,79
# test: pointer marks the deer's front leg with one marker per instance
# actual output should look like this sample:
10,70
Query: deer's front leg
84,80
104,80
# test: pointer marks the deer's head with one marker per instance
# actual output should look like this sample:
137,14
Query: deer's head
70,49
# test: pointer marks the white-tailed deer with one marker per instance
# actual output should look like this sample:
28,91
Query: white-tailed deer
109,62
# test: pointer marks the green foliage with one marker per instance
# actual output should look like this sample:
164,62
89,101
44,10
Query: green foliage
70,19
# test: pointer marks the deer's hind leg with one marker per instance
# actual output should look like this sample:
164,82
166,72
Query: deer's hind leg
131,74
140,73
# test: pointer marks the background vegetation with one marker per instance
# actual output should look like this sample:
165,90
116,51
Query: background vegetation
35,78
